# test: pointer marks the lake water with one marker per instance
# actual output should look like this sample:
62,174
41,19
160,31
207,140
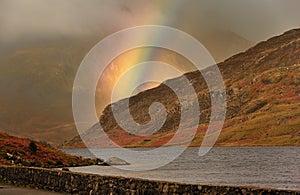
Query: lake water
272,167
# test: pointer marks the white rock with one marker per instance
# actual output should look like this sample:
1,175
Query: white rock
116,161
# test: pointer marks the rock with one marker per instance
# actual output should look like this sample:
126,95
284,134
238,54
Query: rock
97,161
116,161
65,169
296,79
273,78
256,106
102,164
9,155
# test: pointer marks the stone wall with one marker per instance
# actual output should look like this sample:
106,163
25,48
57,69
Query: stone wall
80,183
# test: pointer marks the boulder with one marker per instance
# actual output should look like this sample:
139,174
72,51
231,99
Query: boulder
116,161
102,164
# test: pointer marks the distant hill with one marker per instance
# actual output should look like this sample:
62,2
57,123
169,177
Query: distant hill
36,89
25,152
223,44
263,99
36,79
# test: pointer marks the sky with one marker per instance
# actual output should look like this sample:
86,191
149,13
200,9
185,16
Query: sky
254,20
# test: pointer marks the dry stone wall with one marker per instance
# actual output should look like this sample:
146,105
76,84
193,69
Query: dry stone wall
80,183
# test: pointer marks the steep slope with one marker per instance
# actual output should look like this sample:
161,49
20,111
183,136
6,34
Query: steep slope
263,99
36,78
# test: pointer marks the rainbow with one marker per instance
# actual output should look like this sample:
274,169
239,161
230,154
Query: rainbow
113,79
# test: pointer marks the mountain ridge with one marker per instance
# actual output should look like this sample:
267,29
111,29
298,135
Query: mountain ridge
36,80
262,92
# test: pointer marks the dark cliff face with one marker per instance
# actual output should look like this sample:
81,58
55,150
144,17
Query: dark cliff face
262,91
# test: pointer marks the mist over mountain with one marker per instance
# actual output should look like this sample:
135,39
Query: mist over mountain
262,89
42,43
255,20
36,88
37,79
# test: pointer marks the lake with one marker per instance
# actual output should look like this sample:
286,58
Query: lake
272,167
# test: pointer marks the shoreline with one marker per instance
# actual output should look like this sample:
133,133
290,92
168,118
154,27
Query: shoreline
216,146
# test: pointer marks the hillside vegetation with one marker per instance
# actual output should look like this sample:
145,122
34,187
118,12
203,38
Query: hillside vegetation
36,80
263,101
25,152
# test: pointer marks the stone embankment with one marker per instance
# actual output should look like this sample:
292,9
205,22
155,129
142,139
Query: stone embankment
81,183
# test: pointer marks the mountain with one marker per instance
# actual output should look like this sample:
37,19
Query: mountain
36,79
263,101
223,44
36,89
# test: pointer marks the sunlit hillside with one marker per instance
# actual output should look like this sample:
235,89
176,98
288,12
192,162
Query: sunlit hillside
36,80
262,91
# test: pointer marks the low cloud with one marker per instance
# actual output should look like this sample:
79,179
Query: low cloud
255,20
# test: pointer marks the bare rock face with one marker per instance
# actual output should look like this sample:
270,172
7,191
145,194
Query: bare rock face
116,161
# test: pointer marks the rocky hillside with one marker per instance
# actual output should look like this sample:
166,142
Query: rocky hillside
36,80
263,100
24,152
36,88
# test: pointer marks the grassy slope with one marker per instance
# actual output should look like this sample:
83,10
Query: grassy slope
263,98
36,79
15,151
